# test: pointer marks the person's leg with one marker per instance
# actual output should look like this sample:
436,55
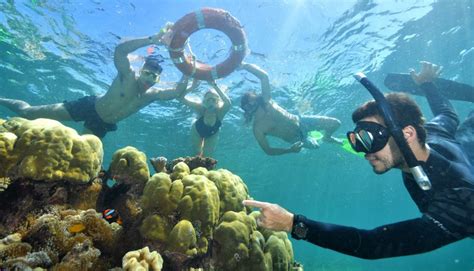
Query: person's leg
327,124
196,141
23,109
210,145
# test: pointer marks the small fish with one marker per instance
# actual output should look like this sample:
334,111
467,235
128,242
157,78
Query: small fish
76,228
111,215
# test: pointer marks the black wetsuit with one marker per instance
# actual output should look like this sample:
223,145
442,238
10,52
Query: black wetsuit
447,209
206,131
83,109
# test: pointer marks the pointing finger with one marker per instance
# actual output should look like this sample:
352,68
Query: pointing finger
255,203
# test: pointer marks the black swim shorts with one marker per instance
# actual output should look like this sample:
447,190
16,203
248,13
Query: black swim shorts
83,109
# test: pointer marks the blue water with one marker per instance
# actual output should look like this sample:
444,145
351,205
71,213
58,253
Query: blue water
51,51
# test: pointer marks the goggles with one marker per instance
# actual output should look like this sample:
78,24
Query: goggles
155,76
368,137
249,107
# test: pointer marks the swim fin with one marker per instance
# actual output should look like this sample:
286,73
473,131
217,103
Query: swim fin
345,143
452,90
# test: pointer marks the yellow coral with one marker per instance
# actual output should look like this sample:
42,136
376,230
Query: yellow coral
7,156
232,190
200,203
232,241
129,165
180,170
279,248
182,238
156,228
4,183
47,150
142,260
161,195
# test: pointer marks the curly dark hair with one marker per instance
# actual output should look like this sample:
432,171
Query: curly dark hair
405,110
152,63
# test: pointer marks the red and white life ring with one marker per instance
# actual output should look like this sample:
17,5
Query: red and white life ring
217,19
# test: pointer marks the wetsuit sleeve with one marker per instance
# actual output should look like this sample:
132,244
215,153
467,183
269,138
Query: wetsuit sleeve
392,240
444,115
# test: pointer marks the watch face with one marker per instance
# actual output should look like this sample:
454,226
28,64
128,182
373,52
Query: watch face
301,230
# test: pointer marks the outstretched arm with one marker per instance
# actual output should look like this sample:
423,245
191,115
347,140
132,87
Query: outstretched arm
263,76
444,113
263,142
124,48
196,106
224,97
153,93
403,238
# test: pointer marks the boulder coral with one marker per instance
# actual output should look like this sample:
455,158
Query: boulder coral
192,216
65,155
129,166
232,190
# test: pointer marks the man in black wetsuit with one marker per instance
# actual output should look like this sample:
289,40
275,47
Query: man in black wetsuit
447,208
127,94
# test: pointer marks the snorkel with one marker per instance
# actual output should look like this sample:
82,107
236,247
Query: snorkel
418,173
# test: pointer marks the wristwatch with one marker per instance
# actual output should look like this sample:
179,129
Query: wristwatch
300,229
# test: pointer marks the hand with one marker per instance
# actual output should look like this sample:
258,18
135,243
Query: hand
167,35
429,72
296,147
272,216
164,36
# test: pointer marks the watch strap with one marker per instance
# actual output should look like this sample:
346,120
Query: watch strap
299,226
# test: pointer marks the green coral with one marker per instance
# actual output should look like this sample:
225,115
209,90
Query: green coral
200,203
180,170
129,166
161,195
7,155
238,245
232,190
183,217
156,228
279,248
64,155
183,239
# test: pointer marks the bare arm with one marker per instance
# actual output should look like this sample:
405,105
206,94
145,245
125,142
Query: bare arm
153,93
224,97
196,106
124,48
263,76
263,142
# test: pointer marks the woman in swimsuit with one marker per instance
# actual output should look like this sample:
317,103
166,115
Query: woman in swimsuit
211,111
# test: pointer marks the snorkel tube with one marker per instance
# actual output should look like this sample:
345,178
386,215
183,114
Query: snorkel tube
415,168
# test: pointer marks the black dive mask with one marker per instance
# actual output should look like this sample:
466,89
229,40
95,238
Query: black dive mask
368,137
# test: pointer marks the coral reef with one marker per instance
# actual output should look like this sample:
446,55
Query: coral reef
142,259
129,166
65,155
189,217
193,162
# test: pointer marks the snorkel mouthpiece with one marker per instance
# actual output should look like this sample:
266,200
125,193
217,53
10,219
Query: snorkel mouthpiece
416,170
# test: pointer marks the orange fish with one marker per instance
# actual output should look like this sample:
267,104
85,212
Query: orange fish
76,228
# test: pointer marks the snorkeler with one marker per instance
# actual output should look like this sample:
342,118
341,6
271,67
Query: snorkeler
211,111
127,94
447,205
269,119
